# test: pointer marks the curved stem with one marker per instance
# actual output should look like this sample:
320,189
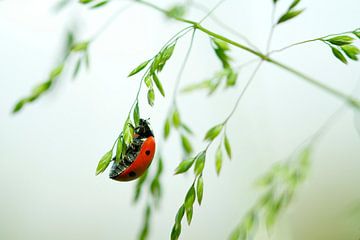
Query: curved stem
211,11
349,99
109,21
182,68
308,41
223,25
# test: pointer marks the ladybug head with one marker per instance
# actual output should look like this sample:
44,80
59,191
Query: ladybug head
144,129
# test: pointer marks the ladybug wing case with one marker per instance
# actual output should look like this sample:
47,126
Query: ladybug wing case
137,159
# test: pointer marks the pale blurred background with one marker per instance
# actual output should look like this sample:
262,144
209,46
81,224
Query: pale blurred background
49,151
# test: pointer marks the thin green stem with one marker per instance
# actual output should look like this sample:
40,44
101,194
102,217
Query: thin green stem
308,41
182,68
243,91
223,25
349,99
211,11
109,21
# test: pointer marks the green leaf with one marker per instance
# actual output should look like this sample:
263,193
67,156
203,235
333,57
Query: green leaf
19,105
104,162
294,4
100,4
151,96
186,144
56,71
289,15
176,118
168,52
119,148
77,68
175,232
227,146
145,230
180,214
219,159
351,51
167,128
304,158
340,40
221,44
357,33
189,202
339,55
162,58
189,214
139,68
231,78
128,132
213,132
148,81
136,114
155,188
200,189
197,86
184,165
199,163
176,11
85,1
158,85
80,47
220,47
139,185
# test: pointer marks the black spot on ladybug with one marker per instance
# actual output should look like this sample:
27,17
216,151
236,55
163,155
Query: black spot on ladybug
147,152
132,174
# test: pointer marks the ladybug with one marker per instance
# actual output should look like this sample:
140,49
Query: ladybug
138,156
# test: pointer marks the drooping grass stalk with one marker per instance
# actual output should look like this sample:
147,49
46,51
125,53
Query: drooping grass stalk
348,99
223,25
307,41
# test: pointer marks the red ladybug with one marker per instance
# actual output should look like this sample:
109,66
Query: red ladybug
138,156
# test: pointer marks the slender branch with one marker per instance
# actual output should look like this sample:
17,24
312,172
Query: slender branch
223,25
182,68
308,41
211,11
110,20
349,99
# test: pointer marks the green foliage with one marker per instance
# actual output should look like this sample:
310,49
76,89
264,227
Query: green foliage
189,202
218,159
279,185
186,144
227,75
139,68
104,162
80,46
139,185
119,149
176,11
341,46
200,189
199,163
40,89
340,40
213,132
184,165
136,114
100,4
145,230
290,13
227,146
